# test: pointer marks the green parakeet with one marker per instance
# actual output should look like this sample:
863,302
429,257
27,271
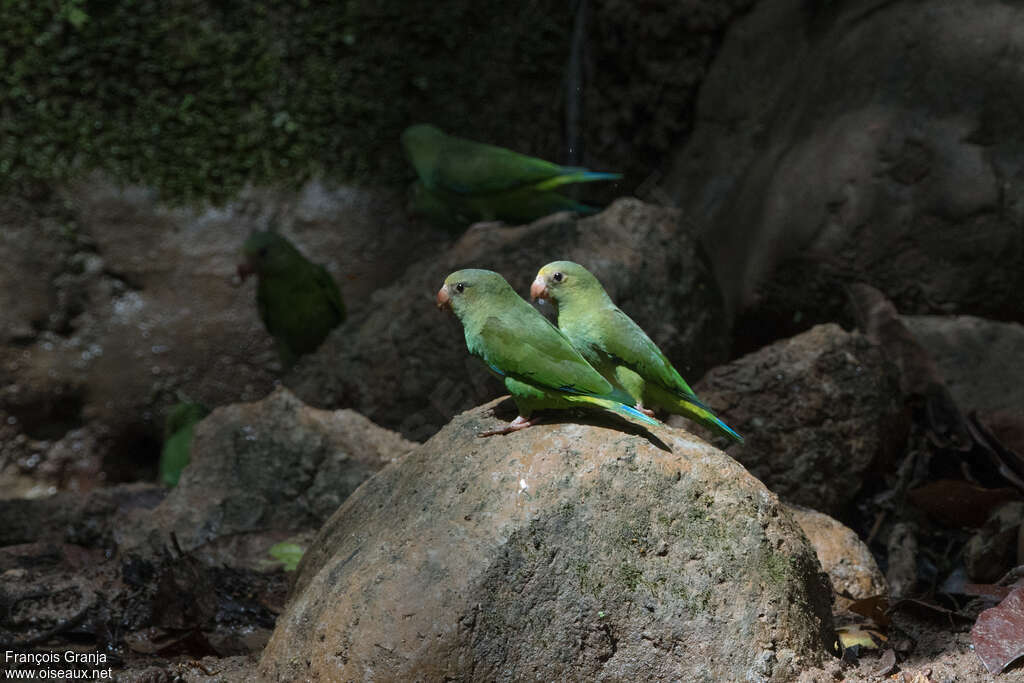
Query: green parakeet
298,300
616,346
538,365
461,181
178,430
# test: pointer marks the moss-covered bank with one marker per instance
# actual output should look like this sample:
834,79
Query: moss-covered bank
199,97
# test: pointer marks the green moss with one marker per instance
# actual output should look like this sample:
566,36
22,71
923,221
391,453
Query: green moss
197,98
777,568
629,576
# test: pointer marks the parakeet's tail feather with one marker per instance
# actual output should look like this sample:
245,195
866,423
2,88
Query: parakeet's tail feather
587,176
708,419
575,175
615,406
636,414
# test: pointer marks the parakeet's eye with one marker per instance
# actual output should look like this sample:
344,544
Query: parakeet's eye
263,252
557,277
459,287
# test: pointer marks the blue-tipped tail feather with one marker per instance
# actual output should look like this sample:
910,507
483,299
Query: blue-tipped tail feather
710,420
637,415
575,175
616,406
587,176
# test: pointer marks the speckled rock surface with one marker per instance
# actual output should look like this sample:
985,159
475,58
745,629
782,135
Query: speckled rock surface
818,411
583,548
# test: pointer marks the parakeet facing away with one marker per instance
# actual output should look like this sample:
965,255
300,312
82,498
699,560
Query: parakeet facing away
298,300
461,181
616,346
538,365
178,430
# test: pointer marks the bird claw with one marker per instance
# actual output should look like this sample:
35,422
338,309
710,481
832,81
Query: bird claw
514,426
646,411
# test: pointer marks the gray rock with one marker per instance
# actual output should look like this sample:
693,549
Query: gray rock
862,141
273,465
585,549
84,519
978,359
818,411
406,366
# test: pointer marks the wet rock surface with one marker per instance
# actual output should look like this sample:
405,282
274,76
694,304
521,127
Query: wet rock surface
817,411
610,551
409,370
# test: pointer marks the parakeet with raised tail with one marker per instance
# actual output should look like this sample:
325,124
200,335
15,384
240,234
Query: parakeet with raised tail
538,365
461,181
297,299
616,346
178,431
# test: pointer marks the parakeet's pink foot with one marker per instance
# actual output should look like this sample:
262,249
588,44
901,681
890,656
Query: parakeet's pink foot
514,426
646,411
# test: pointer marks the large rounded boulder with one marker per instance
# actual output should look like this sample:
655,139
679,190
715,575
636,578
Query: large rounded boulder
587,549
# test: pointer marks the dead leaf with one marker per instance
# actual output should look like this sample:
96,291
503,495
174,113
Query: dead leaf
998,634
959,503
887,663
874,608
860,634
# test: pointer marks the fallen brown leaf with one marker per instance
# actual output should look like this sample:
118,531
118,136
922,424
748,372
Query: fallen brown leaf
998,634
959,503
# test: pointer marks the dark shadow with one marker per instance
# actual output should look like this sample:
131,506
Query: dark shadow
506,411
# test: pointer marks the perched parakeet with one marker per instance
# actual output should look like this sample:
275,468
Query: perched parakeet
298,300
538,365
461,181
616,346
178,429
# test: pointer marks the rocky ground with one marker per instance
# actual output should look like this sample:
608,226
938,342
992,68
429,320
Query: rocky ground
585,547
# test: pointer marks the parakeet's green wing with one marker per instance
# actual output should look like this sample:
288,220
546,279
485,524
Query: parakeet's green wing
474,167
538,353
263,308
626,341
326,283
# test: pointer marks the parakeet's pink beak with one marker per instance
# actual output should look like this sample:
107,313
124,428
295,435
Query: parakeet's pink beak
245,269
539,289
443,300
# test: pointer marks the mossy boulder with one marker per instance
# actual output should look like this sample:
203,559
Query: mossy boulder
577,549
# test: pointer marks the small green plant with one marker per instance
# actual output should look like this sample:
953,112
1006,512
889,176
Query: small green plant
289,554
